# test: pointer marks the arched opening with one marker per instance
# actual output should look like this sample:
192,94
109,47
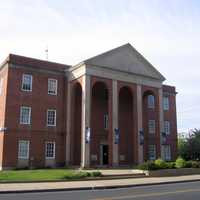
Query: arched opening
149,104
126,127
76,124
99,125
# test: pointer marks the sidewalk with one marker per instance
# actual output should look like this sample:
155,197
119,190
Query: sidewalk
88,185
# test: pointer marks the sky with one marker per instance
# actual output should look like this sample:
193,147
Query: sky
166,33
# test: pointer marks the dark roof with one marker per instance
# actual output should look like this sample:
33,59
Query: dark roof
32,62
169,89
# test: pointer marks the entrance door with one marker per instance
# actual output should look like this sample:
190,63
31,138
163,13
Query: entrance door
105,154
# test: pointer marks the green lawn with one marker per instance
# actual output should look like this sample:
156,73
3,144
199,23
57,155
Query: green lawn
44,175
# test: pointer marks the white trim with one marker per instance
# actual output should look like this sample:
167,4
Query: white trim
166,103
23,157
114,75
151,126
54,150
51,125
167,127
151,101
56,81
29,117
23,82
151,149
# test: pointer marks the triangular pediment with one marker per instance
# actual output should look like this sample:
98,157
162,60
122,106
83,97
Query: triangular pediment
126,59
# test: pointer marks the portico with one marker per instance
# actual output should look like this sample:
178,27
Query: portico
105,114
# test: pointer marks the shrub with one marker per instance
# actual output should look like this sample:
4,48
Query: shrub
170,165
188,164
180,163
149,165
160,164
195,164
96,174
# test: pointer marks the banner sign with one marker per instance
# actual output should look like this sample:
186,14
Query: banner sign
164,138
87,135
116,136
141,137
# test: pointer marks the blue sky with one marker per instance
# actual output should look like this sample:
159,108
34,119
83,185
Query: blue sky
167,33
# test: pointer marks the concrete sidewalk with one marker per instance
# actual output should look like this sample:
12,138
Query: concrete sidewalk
88,185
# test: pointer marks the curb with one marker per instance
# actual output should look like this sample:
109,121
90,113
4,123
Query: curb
96,187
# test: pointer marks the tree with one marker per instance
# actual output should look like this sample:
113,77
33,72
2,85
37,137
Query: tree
189,148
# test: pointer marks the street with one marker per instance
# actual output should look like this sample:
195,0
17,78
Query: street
176,191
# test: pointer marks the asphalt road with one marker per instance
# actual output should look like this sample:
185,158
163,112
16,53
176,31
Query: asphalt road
178,191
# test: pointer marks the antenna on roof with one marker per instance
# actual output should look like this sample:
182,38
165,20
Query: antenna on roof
47,53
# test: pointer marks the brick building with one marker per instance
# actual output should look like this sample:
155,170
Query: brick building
109,110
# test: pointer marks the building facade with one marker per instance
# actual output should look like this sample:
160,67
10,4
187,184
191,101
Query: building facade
110,110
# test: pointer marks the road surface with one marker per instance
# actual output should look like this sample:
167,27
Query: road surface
176,191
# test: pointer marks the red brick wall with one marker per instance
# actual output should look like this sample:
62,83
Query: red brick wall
38,133
170,116
128,123
100,105
76,114
151,114
3,77
39,101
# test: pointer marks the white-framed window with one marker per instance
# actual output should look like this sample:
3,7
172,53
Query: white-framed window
25,115
166,152
50,150
105,121
52,86
1,85
152,126
23,149
167,127
27,82
152,152
51,117
165,103
151,101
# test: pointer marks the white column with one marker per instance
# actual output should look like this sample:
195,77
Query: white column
161,119
68,122
115,121
86,96
140,126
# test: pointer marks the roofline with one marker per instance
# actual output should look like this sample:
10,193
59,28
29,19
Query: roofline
87,61
11,60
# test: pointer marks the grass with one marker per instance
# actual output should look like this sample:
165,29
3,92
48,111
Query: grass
44,175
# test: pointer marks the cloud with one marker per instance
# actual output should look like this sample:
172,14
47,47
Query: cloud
165,32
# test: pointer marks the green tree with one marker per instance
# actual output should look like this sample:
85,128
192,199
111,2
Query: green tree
183,148
189,148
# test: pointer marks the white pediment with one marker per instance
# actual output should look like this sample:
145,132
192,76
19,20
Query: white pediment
126,59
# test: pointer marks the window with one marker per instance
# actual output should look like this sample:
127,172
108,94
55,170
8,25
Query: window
105,121
166,152
151,101
50,150
27,82
152,152
23,149
167,127
51,117
52,86
25,115
152,126
165,103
